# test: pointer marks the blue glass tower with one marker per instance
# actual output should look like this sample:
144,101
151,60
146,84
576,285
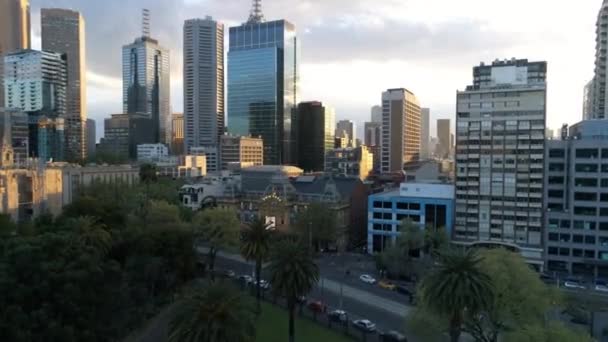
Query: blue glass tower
263,84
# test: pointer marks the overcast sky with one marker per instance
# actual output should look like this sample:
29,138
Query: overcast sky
352,50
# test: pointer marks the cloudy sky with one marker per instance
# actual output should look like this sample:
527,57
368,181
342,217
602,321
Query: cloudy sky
352,50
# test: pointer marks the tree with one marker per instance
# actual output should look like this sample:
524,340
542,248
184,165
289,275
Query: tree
553,332
218,229
215,313
255,245
456,288
435,239
317,224
91,234
293,274
147,173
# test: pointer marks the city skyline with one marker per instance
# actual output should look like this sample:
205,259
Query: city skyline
485,36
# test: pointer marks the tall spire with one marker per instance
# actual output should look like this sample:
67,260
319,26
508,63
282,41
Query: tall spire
145,22
256,16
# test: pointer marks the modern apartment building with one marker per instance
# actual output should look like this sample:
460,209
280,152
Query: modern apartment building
598,94
14,32
35,83
576,190
263,84
347,129
146,83
63,31
203,82
237,149
400,129
51,139
444,134
315,134
355,162
500,157
425,133
152,152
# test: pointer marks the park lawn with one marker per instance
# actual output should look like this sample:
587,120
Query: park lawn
273,326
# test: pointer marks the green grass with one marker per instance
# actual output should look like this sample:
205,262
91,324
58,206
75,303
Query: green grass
273,326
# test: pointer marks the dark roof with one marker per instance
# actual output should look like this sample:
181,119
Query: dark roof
345,185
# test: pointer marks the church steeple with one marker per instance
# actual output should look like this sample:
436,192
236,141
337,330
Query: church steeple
256,16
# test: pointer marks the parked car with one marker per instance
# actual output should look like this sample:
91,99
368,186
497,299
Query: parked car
364,325
366,278
317,306
338,316
385,284
247,279
392,336
574,284
601,286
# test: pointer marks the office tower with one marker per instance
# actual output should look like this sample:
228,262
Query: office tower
500,157
146,82
51,139
377,114
576,199
425,133
35,83
63,31
400,129
588,100
177,134
16,121
373,141
263,84
348,127
315,134
203,82
115,139
598,93
443,150
91,138
245,150
14,31
350,162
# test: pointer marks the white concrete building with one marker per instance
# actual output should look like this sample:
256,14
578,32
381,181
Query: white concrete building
212,156
152,152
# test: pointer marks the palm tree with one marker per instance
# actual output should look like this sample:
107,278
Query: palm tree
457,287
92,234
217,312
293,274
255,245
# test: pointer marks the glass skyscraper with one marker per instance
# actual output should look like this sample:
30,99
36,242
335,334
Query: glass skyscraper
263,85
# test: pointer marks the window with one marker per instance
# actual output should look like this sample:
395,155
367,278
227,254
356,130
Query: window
387,205
589,254
553,237
565,224
377,226
604,182
604,167
556,166
552,250
605,153
586,168
402,206
377,204
553,223
589,211
378,215
587,153
604,226
604,197
589,182
414,206
585,196
603,212
555,207
577,238
556,193
577,252
401,217
556,180
387,216
556,153
564,251
564,237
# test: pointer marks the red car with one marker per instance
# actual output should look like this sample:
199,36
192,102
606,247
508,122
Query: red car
317,306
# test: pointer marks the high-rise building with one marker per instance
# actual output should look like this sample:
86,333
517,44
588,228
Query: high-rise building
444,134
425,133
212,155
91,138
576,199
146,82
350,162
588,100
400,129
14,122
51,139
599,90
115,139
203,82
315,134
347,129
373,141
35,83
63,31
500,157
237,149
377,114
177,134
263,84
14,31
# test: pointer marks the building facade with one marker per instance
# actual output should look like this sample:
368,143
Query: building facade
177,134
152,152
500,157
400,129
576,219
315,134
355,162
16,121
236,149
91,135
14,32
203,82
376,114
348,130
599,93
430,206
444,135
51,139
146,84
588,101
63,31
263,84
425,133
212,155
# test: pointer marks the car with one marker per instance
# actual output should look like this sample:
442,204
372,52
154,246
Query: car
338,316
385,284
228,274
364,325
264,285
392,336
366,278
247,279
317,306
403,290
601,286
574,284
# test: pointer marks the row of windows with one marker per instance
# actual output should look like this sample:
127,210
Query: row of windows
557,167
399,205
576,238
576,253
577,224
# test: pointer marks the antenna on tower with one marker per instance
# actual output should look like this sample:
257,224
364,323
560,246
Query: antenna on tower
145,22
256,16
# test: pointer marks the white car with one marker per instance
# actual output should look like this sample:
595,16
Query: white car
574,284
601,286
365,325
366,278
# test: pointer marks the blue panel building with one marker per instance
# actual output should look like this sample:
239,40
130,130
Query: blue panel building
428,205
263,84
